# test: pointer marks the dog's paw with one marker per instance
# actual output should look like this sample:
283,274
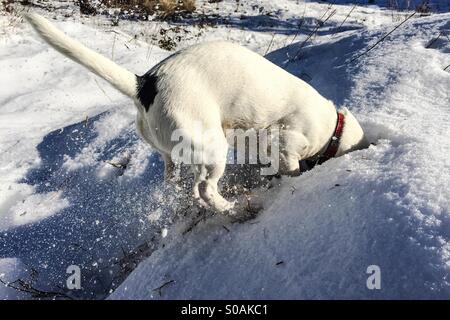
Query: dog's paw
254,204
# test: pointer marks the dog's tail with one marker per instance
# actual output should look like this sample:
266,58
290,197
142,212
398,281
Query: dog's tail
119,77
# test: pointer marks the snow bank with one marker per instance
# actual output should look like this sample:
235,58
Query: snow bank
386,206
11,269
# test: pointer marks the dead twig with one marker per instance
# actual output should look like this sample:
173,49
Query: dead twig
300,25
342,23
293,189
265,233
165,284
270,44
336,185
194,224
104,92
113,46
434,40
384,37
320,24
117,165
26,287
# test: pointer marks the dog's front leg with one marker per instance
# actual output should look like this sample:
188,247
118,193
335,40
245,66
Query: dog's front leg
292,145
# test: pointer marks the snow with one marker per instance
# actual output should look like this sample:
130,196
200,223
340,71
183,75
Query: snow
10,270
62,202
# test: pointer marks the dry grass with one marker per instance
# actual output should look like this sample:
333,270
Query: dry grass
6,6
13,14
86,7
177,5
163,8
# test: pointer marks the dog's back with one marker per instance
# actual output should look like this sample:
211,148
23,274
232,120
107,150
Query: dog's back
249,89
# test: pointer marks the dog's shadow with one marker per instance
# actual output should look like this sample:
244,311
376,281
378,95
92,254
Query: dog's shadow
104,218
117,203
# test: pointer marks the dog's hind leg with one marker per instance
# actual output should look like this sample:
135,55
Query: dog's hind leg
209,171
169,168
206,184
200,175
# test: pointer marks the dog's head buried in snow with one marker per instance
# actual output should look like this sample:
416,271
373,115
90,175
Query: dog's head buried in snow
187,103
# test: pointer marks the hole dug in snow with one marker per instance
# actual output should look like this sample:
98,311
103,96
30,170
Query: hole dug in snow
376,131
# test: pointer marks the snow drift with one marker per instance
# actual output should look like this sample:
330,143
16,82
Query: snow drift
78,187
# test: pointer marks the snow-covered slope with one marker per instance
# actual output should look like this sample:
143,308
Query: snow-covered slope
386,206
63,203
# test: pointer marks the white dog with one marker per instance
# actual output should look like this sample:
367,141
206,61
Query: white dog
220,85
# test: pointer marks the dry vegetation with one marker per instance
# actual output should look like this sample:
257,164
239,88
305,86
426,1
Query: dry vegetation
165,9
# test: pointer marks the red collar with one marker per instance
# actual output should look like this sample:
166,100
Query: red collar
333,145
